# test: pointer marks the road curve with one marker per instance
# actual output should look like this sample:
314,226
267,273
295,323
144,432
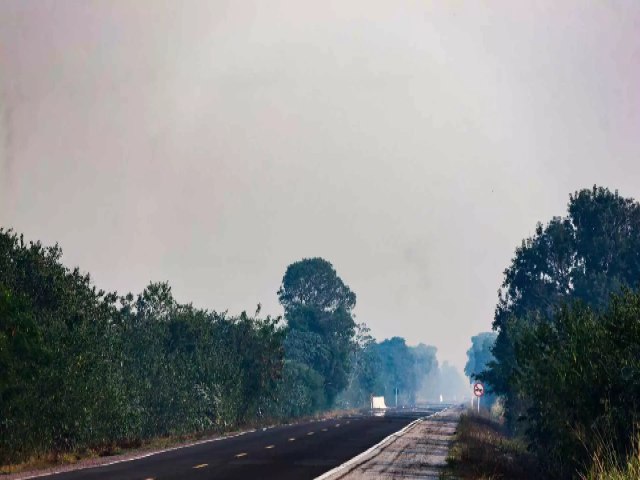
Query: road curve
301,451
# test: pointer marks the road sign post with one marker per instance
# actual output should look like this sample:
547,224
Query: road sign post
478,391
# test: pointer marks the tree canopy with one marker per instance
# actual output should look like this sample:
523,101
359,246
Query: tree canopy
314,282
591,253
479,354
320,327
84,369
560,333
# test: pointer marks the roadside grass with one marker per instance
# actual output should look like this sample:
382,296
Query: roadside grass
93,455
131,448
482,450
608,465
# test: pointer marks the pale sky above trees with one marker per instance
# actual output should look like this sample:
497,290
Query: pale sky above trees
412,144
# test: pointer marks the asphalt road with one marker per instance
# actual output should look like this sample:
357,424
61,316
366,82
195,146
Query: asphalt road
287,452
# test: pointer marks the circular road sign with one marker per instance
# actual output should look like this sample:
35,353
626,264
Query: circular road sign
478,389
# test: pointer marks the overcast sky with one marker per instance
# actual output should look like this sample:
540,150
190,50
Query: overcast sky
412,144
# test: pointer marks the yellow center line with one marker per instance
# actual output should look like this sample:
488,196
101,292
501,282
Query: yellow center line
291,439
243,454
270,446
202,465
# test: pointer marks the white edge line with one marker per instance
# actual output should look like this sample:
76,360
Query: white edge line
380,444
137,457
157,452
171,449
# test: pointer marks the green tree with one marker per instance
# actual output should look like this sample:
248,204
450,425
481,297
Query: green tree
397,370
314,282
83,369
479,354
581,376
318,308
363,380
587,255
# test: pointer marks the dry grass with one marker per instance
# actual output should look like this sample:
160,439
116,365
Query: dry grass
483,450
39,462
607,464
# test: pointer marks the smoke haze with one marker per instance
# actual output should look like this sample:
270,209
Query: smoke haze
412,145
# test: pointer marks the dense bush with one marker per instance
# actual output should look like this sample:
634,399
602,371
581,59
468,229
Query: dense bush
80,368
83,369
565,357
592,252
580,375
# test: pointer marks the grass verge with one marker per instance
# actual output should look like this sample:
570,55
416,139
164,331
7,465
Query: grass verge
609,465
482,450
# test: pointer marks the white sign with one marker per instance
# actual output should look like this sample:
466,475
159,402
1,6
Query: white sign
377,403
478,389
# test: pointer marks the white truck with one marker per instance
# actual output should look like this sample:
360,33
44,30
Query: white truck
377,403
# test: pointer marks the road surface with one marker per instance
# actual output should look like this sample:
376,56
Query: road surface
286,452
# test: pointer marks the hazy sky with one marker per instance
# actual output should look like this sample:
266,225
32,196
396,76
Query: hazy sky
412,144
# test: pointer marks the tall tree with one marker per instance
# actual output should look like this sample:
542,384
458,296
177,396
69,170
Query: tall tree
318,305
314,282
591,253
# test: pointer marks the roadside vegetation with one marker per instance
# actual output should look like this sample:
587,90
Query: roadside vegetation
566,359
85,372
84,369
484,449
608,464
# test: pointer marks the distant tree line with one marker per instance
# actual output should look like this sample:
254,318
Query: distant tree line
82,369
331,360
567,353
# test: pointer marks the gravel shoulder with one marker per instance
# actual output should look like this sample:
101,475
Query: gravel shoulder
419,452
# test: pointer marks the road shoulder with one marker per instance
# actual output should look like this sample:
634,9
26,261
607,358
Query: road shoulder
417,451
